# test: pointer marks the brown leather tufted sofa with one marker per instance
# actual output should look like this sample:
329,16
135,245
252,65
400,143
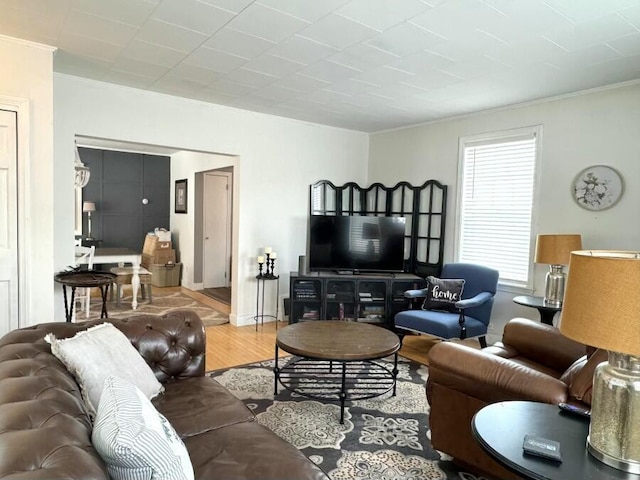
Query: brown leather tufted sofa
533,362
45,432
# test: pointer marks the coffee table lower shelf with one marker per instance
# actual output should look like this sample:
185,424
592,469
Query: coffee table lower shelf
338,381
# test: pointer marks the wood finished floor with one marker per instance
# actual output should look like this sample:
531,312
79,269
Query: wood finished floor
230,346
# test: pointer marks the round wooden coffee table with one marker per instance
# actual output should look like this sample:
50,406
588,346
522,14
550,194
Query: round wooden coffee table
351,346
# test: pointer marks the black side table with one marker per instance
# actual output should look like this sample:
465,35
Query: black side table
547,312
84,279
261,280
500,428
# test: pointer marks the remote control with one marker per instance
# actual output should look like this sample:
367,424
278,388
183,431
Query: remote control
583,412
542,447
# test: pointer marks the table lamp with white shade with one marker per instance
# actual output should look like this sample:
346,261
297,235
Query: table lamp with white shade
602,309
89,208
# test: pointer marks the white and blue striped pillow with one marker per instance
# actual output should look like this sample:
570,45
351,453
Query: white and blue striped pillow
134,439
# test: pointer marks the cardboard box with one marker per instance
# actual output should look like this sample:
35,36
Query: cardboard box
161,257
152,245
165,275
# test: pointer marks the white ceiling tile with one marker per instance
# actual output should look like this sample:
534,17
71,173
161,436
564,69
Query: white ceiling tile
302,50
328,71
585,10
151,53
310,11
384,75
88,25
235,6
382,14
422,62
81,66
193,15
300,83
628,45
271,65
591,32
214,60
132,12
632,15
249,78
405,39
140,68
337,31
238,43
264,22
89,47
273,92
176,86
352,86
32,24
474,68
192,72
585,56
434,79
231,88
527,17
328,97
456,17
128,79
169,35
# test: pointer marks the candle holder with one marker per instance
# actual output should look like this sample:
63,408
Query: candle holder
260,269
273,262
268,272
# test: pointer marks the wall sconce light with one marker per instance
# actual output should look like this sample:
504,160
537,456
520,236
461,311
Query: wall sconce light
82,171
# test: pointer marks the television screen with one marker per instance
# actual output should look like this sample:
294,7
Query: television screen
372,244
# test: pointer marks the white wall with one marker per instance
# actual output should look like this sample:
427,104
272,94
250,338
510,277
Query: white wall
600,127
279,159
27,75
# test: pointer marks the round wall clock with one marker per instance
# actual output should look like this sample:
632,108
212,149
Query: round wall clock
598,187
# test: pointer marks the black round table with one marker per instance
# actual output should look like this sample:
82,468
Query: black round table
500,429
84,279
547,312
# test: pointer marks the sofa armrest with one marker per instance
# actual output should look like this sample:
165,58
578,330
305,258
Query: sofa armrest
542,343
489,378
173,344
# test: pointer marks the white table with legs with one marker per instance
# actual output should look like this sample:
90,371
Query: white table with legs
122,256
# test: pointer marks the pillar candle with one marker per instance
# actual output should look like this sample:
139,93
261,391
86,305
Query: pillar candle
267,250
274,255
260,259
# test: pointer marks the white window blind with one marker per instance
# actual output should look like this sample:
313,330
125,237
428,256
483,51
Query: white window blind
497,186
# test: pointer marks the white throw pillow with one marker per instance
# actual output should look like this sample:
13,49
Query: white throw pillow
134,439
98,352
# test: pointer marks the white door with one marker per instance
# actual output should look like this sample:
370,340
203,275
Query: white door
8,223
217,230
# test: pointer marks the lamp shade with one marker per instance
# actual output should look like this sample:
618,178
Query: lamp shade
555,249
601,302
88,206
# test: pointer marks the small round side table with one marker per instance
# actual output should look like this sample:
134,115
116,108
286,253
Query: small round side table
84,279
547,312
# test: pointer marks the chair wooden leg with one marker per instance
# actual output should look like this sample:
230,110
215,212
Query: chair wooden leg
142,291
483,341
118,291
149,288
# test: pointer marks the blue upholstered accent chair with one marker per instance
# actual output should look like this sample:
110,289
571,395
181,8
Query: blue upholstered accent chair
472,313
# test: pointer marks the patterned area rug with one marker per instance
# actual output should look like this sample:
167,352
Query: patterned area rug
382,438
162,303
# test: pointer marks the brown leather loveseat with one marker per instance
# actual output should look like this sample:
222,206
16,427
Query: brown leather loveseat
45,431
533,362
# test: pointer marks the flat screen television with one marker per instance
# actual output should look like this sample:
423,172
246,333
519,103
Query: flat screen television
356,243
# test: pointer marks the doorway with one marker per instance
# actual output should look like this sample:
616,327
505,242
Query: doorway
217,213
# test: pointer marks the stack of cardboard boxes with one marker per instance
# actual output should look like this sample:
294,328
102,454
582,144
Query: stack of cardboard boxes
159,257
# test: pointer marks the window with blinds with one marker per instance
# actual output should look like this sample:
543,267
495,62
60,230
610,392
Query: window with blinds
496,189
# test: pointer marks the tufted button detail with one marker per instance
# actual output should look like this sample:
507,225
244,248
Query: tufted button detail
149,327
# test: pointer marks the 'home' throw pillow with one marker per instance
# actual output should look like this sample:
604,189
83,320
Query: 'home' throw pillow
443,293
97,352
134,439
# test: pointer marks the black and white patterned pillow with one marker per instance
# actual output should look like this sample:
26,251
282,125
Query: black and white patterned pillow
135,441
443,293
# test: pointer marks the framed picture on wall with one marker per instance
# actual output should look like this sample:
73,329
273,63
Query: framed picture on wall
181,196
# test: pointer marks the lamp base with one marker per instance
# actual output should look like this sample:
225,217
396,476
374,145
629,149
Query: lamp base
554,286
617,463
614,437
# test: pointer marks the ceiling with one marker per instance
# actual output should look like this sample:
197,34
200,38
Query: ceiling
366,65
